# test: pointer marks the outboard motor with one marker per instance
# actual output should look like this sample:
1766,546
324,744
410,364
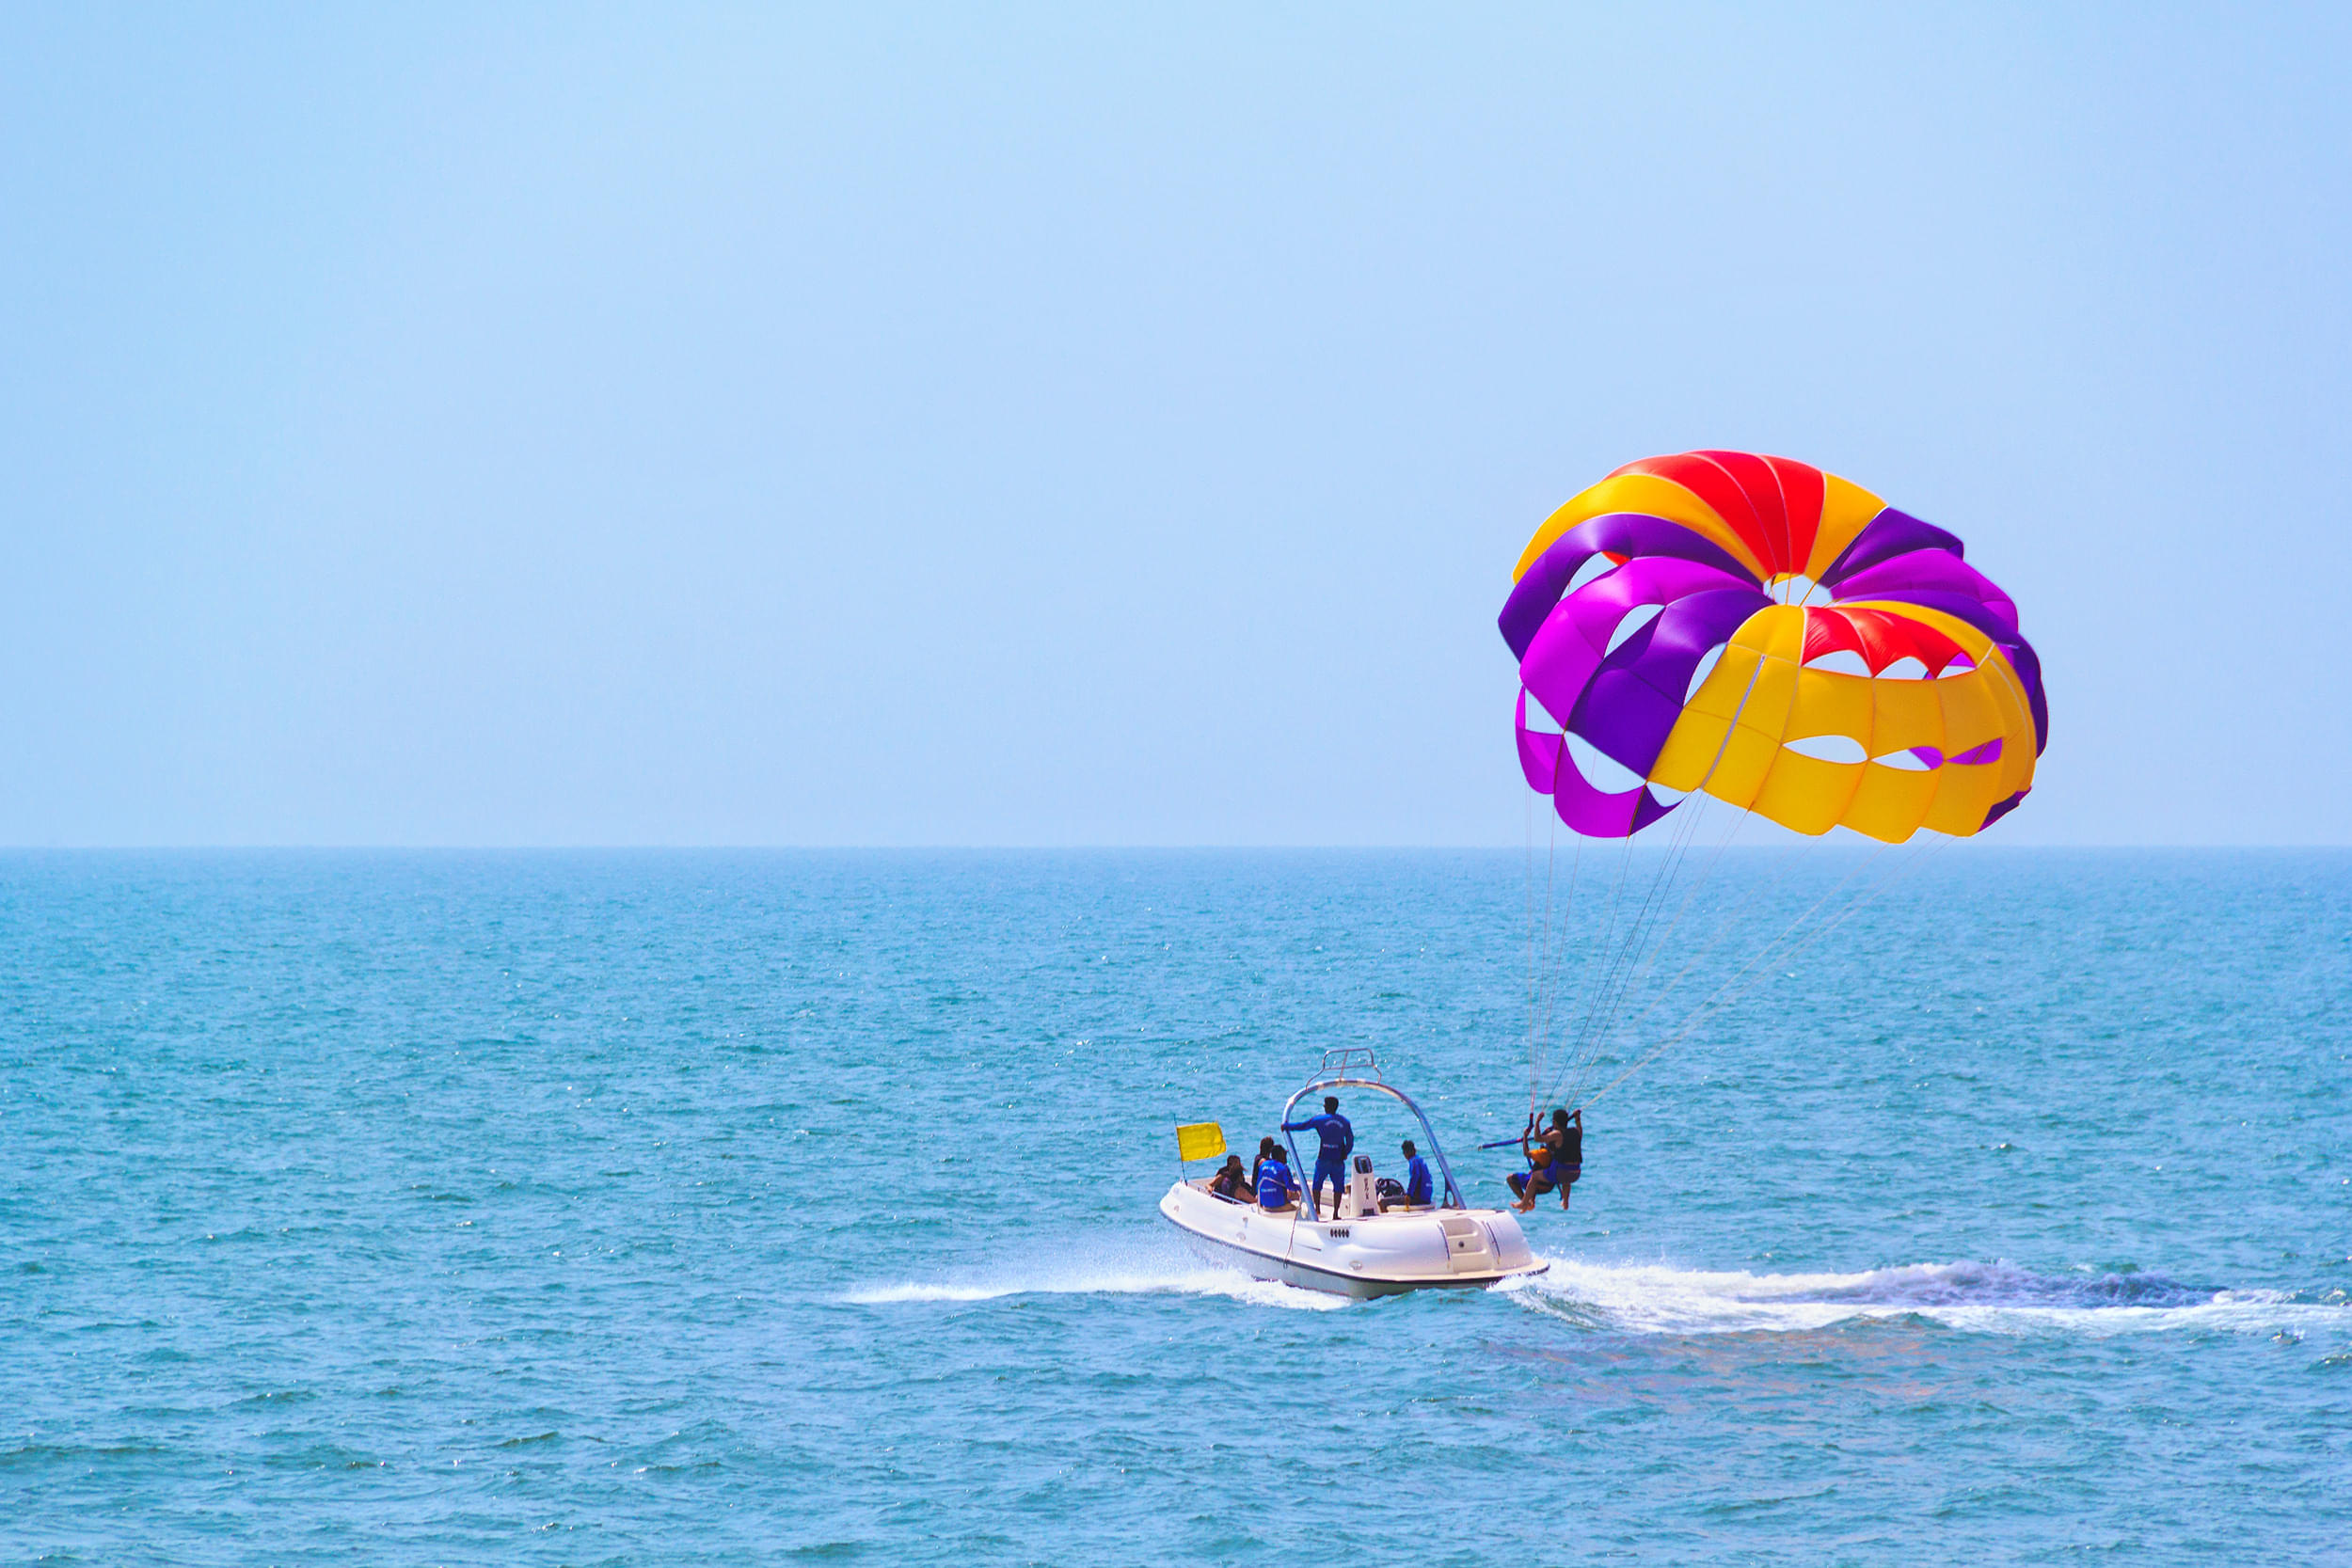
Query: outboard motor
1362,1187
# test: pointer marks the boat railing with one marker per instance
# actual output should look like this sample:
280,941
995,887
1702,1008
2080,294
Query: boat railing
1350,1061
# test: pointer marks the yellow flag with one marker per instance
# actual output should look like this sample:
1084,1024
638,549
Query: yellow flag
1202,1140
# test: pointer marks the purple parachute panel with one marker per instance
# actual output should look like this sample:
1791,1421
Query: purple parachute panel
1622,534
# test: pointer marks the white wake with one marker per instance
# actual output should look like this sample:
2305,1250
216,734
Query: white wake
1657,1298
1660,1298
1115,1270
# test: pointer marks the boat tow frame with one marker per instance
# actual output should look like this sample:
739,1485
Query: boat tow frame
1353,1066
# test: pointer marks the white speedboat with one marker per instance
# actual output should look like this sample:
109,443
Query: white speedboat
1366,1250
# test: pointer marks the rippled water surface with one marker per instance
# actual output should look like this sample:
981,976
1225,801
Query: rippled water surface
702,1208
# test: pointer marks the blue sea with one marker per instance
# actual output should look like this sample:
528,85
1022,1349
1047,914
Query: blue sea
745,1208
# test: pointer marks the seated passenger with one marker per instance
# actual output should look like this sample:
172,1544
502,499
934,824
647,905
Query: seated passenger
1276,1188
1266,1148
1232,1182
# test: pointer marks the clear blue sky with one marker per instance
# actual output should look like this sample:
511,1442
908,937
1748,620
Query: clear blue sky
1113,425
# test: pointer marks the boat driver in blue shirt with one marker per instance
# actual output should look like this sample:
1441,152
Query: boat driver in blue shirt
1416,1177
1338,1139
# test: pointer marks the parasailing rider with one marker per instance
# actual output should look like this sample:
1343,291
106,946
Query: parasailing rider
1555,1158
1565,1137
1338,1138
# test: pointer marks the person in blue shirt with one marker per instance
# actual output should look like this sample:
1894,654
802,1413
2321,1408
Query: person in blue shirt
1415,1190
1338,1138
1276,1186
1417,1184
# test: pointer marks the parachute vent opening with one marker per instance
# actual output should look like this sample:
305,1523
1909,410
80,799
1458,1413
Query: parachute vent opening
1908,760
1828,748
1601,771
1635,619
1905,669
1596,566
1539,718
1705,668
1961,665
1793,588
1841,662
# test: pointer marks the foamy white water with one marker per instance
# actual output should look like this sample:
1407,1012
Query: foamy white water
1659,1298
1128,1268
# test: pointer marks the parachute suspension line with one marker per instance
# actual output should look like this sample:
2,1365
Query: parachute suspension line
1646,962
1610,955
1731,991
1736,920
1704,878
1602,999
1556,934
1530,900
1675,857
1584,961
1545,939
1798,939
1756,969
1564,929
1903,871
1539,944
1600,1003
1586,989
1539,941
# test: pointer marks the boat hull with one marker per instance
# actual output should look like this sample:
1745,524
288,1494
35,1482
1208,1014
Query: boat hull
1379,1255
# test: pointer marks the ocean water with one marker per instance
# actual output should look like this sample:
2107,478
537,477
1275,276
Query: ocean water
677,1208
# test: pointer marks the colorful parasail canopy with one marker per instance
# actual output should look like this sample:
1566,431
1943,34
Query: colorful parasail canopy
1774,636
